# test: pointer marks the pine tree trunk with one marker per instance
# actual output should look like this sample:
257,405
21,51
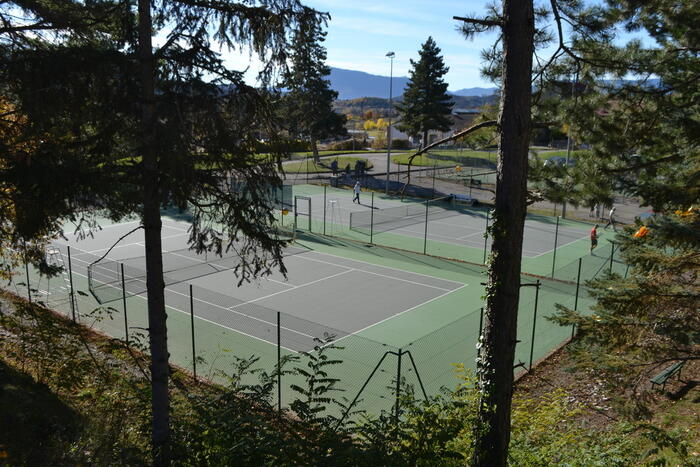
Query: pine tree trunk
160,403
425,139
495,368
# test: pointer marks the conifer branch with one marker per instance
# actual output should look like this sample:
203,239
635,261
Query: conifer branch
489,23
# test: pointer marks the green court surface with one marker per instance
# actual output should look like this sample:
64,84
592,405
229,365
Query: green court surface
391,312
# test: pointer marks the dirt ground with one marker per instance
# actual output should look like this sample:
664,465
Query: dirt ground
680,400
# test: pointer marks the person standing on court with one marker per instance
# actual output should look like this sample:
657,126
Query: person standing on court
611,220
357,190
594,237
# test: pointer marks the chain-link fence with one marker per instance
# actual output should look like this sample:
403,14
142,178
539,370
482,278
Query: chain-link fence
210,332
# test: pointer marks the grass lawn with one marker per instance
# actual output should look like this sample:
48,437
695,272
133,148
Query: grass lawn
309,166
558,152
421,160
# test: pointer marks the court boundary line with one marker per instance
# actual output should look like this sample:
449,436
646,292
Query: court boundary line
382,266
349,269
215,323
401,313
292,289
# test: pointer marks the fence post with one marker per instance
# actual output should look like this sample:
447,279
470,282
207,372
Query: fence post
481,328
612,255
279,369
556,237
398,387
434,170
70,280
578,283
26,269
325,187
627,270
194,351
371,222
126,319
471,177
486,234
425,233
534,322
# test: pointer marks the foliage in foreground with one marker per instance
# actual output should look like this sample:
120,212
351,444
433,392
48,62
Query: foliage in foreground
89,404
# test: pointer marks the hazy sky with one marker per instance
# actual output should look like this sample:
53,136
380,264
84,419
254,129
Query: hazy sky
361,32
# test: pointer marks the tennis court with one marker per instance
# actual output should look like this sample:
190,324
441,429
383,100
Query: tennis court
341,295
439,227
395,314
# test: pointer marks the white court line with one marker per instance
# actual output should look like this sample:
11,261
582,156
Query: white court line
401,312
103,227
375,273
347,270
377,265
136,279
128,244
295,287
219,324
464,237
432,235
559,246
350,268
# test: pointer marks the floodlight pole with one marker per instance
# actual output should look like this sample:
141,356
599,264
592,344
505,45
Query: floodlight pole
391,56
568,145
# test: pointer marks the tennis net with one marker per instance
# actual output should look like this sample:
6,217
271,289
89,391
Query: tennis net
382,220
105,276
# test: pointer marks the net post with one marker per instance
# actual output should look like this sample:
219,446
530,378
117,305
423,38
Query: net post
126,318
534,323
26,270
398,386
371,222
70,280
481,328
194,351
425,231
279,368
325,187
486,234
556,238
309,215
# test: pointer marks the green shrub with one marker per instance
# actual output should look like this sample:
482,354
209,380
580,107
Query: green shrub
403,144
348,145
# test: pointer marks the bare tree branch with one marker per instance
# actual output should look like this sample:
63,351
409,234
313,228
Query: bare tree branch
459,134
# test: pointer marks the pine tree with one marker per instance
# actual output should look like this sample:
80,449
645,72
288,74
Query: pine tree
426,105
306,109
646,141
128,128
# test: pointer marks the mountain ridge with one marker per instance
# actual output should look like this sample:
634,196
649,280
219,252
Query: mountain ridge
352,84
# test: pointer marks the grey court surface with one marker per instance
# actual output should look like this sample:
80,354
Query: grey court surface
465,228
322,294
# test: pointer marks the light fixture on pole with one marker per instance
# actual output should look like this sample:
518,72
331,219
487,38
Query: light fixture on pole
391,56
